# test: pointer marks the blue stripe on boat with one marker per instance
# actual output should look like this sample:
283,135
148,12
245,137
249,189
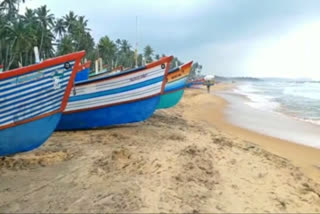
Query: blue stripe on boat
17,109
64,83
89,102
48,109
23,112
171,86
43,76
49,92
67,76
34,114
117,90
18,96
8,81
101,85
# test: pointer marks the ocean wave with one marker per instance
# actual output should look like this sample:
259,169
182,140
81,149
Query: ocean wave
256,97
295,99
306,90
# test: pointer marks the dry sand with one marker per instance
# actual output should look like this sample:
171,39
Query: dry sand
177,161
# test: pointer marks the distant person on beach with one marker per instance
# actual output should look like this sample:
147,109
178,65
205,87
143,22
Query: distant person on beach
208,83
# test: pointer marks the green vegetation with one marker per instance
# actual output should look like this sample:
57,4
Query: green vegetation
19,34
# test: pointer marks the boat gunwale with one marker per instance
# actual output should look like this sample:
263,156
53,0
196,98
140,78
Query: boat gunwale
44,64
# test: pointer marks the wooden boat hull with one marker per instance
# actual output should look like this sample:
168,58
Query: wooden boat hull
175,86
126,97
31,135
109,116
170,99
32,99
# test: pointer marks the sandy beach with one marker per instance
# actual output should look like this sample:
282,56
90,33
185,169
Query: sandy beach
184,159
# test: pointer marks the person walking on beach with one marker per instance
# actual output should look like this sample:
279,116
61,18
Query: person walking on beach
208,85
209,81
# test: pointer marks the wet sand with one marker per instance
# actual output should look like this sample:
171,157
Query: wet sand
184,159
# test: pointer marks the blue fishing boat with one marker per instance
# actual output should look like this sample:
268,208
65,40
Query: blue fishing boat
126,97
32,100
195,82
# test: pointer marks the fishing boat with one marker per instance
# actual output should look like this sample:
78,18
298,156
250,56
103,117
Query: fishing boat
83,74
174,88
194,82
125,97
32,100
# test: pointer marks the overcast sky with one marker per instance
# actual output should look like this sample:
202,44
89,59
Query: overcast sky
261,38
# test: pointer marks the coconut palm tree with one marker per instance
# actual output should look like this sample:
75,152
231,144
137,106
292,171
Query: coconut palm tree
125,46
118,43
10,8
83,23
70,19
66,45
107,50
19,41
60,27
46,22
148,53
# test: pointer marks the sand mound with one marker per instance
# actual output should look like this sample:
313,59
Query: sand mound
119,161
35,159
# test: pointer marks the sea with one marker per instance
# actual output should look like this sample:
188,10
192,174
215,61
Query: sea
297,99
285,109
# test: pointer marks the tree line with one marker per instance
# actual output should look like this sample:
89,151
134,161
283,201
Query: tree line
19,34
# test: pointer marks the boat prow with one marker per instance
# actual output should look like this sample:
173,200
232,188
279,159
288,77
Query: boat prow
175,85
32,100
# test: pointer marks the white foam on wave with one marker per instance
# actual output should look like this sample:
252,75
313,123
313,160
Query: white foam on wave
256,97
315,122
259,100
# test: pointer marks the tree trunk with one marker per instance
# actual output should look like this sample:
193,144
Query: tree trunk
26,58
40,48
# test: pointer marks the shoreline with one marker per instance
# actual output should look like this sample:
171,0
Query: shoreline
304,156
270,123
